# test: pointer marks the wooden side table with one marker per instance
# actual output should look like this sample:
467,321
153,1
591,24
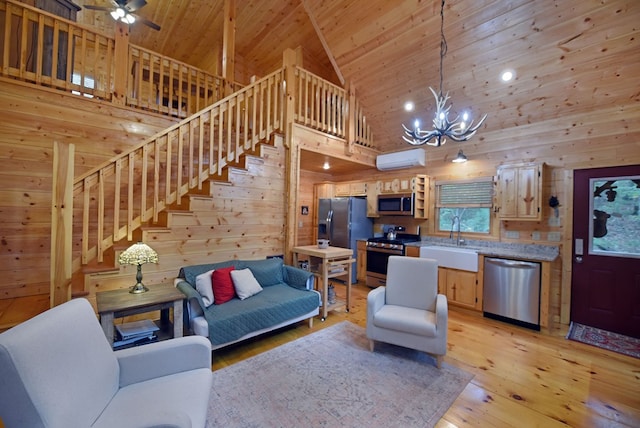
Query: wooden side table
120,303
335,261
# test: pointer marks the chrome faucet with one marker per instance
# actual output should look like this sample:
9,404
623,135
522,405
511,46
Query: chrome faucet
456,220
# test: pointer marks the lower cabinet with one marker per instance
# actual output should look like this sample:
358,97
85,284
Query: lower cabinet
460,287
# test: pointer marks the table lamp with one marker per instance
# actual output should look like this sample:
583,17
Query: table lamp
137,255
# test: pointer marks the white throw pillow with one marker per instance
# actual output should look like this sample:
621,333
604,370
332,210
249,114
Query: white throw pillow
205,287
245,283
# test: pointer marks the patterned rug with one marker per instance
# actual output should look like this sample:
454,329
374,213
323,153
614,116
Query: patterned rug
331,379
604,339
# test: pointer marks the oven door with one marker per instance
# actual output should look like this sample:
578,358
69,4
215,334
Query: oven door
377,260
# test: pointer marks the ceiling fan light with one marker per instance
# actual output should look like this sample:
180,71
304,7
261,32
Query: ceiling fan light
120,12
114,14
129,19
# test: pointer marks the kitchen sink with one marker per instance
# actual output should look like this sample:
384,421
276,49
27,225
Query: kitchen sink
452,257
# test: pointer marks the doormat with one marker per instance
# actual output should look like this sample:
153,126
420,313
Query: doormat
604,339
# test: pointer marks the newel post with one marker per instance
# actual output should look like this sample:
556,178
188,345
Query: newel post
292,153
61,223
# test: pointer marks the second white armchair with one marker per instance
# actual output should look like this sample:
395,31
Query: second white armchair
408,311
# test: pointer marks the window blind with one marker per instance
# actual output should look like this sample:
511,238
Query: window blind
465,193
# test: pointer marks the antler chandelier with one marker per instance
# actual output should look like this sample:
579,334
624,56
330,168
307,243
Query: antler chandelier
458,129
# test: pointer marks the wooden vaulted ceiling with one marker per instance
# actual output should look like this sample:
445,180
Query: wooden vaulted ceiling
570,56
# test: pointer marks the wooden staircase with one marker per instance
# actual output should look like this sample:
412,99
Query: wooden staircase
112,203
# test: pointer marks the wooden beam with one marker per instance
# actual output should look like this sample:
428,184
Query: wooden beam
323,41
292,155
228,45
61,223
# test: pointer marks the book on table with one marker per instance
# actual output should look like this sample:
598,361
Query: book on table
136,329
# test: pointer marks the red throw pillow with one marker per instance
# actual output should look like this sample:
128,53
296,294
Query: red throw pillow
222,285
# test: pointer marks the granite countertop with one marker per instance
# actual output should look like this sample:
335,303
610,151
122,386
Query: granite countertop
535,252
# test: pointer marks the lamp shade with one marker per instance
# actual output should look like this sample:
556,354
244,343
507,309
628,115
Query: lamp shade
460,158
138,254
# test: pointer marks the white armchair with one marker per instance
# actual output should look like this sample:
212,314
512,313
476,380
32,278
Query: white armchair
408,311
58,370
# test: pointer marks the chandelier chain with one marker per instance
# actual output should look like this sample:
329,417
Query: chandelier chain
443,45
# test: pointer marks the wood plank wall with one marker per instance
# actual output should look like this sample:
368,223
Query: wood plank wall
31,120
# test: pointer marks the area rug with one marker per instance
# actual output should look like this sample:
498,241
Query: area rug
604,339
331,379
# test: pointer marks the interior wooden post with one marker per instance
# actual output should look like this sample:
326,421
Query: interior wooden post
61,223
351,118
228,46
121,63
292,154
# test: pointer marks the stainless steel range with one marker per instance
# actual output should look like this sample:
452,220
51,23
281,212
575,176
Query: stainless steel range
378,252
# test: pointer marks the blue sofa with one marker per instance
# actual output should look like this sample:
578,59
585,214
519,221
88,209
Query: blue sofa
287,297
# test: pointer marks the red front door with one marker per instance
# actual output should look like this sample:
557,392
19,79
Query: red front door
605,287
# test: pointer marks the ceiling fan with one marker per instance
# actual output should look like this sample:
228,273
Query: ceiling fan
123,10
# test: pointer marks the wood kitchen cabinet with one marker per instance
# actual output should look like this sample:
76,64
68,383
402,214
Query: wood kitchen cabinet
421,197
397,185
361,261
460,287
373,189
520,192
323,190
351,189
412,251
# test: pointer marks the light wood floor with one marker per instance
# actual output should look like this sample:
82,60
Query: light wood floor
522,378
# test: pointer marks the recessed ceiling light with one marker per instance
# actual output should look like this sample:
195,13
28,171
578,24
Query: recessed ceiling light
507,75
326,165
409,106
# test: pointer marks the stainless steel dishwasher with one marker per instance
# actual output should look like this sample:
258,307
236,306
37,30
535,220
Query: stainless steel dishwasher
512,291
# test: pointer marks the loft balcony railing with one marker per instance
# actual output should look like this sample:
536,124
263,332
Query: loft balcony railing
45,50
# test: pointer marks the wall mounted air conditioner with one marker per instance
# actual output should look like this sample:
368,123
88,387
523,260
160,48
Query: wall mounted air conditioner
399,160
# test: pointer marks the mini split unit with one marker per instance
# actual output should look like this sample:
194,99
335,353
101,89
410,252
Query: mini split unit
399,160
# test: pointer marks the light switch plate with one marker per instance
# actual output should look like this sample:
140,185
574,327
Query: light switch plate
535,236
553,236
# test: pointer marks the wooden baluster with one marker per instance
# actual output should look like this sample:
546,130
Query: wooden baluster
116,200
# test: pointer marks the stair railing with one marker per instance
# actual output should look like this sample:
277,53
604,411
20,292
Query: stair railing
112,201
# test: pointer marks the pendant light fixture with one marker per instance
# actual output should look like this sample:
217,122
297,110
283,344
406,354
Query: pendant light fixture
458,130
460,158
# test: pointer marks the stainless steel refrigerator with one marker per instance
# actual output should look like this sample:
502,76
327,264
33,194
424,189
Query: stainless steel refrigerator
343,221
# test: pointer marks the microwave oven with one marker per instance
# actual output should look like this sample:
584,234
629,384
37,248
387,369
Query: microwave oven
398,204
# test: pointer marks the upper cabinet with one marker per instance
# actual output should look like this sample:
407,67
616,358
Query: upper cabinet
397,185
351,189
520,192
373,189
421,197
324,190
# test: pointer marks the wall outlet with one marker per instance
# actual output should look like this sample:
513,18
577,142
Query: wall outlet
554,236
554,221
535,236
512,234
